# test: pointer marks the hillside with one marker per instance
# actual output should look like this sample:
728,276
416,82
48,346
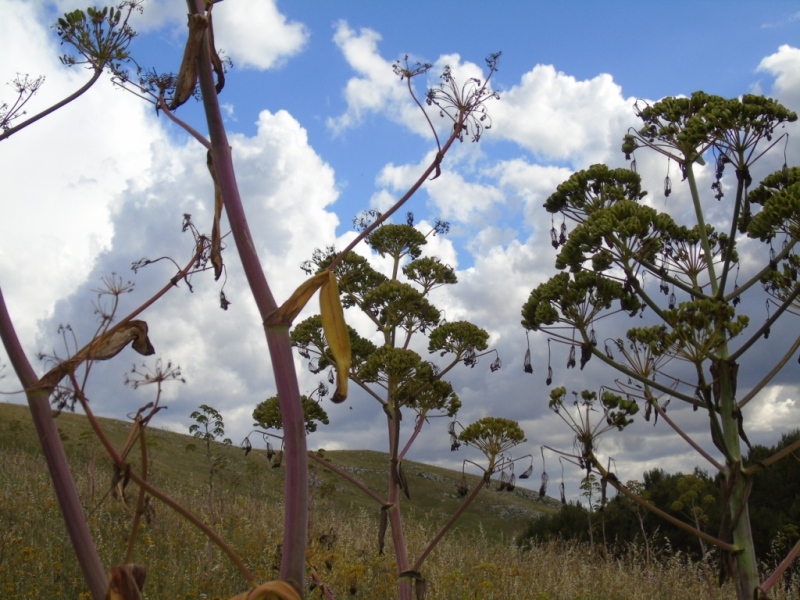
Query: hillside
433,489
478,559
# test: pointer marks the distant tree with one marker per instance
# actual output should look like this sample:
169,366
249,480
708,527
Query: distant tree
624,257
209,429
268,414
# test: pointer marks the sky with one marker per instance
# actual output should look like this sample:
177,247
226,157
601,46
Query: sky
321,130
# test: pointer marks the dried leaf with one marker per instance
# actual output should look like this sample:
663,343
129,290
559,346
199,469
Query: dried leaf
336,334
216,63
187,75
401,479
104,347
333,324
126,582
298,300
384,521
216,245
274,590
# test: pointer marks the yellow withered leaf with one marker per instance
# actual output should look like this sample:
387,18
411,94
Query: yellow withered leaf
333,324
274,590
335,330
216,243
126,582
297,301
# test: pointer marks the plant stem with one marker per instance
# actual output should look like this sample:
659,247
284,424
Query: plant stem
11,131
53,450
348,477
142,482
296,484
467,501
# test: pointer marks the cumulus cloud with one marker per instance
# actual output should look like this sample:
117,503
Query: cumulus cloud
116,186
85,155
784,66
376,89
222,354
256,35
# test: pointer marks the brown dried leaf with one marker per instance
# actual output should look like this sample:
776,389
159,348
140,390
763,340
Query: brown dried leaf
401,479
336,334
187,75
216,244
126,582
384,521
104,347
274,590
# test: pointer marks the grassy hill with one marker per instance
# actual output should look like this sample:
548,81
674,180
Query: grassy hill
433,489
478,559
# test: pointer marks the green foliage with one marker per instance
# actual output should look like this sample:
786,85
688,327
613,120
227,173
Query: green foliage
101,36
620,249
268,414
209,428
493,436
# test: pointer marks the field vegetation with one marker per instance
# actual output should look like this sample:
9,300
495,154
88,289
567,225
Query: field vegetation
481,558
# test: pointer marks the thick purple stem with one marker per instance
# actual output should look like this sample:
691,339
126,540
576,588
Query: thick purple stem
53,449
296,492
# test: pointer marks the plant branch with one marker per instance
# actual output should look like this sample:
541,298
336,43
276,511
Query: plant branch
53,450
763,464
345,475
137,515
182,124
772,373
12,130
467,501
142,482
411,191
612,479
785,564
767,324
662,413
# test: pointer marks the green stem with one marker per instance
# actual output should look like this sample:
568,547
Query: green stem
746,568
701,227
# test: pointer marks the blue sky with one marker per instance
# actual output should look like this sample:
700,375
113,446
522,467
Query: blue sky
105,181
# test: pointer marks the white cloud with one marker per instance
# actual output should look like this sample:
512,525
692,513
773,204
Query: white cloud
63,173
254,34
556,117
773,409
377,89
784,65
